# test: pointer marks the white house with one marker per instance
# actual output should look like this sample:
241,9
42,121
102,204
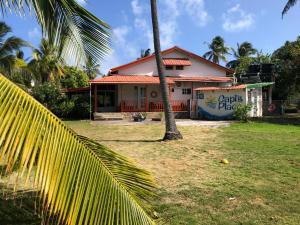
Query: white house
134,87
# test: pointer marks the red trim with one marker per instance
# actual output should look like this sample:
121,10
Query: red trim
220,88
167,51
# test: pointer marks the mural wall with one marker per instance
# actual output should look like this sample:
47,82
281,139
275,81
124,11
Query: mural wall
219,104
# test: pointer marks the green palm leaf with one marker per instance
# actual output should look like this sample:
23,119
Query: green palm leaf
80,181
66,24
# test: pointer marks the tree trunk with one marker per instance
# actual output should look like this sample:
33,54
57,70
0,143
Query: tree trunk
171,130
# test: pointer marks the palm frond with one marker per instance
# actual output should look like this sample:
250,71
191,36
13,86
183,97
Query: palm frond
65,22
80,181
288,5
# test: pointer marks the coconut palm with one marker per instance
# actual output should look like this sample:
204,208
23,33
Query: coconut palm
46,62
217,51
288,5
8,49
78,180
172,132
243,50
145,53
91,68
76,31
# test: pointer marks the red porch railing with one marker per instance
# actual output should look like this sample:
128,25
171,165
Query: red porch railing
133,106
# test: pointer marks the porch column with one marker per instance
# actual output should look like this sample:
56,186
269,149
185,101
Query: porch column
121,98
146,100
95,98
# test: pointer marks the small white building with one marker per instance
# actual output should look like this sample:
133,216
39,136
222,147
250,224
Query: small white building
218,103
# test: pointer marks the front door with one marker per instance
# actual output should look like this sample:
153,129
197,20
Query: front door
141,98
107,98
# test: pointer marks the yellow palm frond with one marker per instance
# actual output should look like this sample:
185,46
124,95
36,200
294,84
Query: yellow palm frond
79,180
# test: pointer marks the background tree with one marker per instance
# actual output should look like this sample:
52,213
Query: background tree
145,53
46,62
172,132
75,31
243,50
217,51
288,59
288,5
91,68
74,78
8,49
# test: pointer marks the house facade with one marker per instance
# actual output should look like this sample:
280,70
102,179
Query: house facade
134,87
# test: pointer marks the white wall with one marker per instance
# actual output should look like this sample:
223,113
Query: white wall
197,68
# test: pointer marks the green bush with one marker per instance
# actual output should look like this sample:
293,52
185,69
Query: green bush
74,78
82,107
241,112
50,96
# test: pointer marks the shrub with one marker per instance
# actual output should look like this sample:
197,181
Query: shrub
74,78
241,112
51,97
82,107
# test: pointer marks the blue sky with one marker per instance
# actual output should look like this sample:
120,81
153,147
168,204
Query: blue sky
185,23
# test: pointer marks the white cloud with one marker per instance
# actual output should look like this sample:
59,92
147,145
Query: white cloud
137,9
34,33
121,39
196,10
81,2
236,19
110,61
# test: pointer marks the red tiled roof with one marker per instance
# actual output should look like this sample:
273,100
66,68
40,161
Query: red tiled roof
176,62
170,50
144,79
128,79
220,88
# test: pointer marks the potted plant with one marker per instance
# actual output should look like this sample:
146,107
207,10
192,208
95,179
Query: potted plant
139,117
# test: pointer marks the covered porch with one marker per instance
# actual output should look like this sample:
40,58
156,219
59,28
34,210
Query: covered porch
132,94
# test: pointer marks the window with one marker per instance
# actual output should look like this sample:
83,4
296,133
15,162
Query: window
169,67
179,67
186,91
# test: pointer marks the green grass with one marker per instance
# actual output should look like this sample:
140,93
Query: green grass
260,185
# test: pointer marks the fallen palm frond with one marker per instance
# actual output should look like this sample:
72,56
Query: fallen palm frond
79,180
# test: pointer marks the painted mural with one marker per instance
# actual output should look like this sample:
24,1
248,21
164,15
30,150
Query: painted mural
217,105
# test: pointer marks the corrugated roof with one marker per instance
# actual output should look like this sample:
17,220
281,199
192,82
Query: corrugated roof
221,88
144,79
176,62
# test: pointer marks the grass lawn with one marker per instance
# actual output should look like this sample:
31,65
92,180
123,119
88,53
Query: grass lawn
260,185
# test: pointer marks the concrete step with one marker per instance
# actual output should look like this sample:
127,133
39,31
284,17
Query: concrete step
108,116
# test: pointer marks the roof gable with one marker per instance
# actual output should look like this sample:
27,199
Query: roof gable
168,51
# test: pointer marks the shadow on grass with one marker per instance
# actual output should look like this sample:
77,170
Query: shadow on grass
129,141
289,119
18,207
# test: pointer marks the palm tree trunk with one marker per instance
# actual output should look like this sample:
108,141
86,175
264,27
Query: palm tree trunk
171,130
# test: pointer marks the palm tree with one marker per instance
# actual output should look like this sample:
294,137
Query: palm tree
91,68
218,50
8,49
172,132
46,62
145,53
65,23
78,180
243,50
288,5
